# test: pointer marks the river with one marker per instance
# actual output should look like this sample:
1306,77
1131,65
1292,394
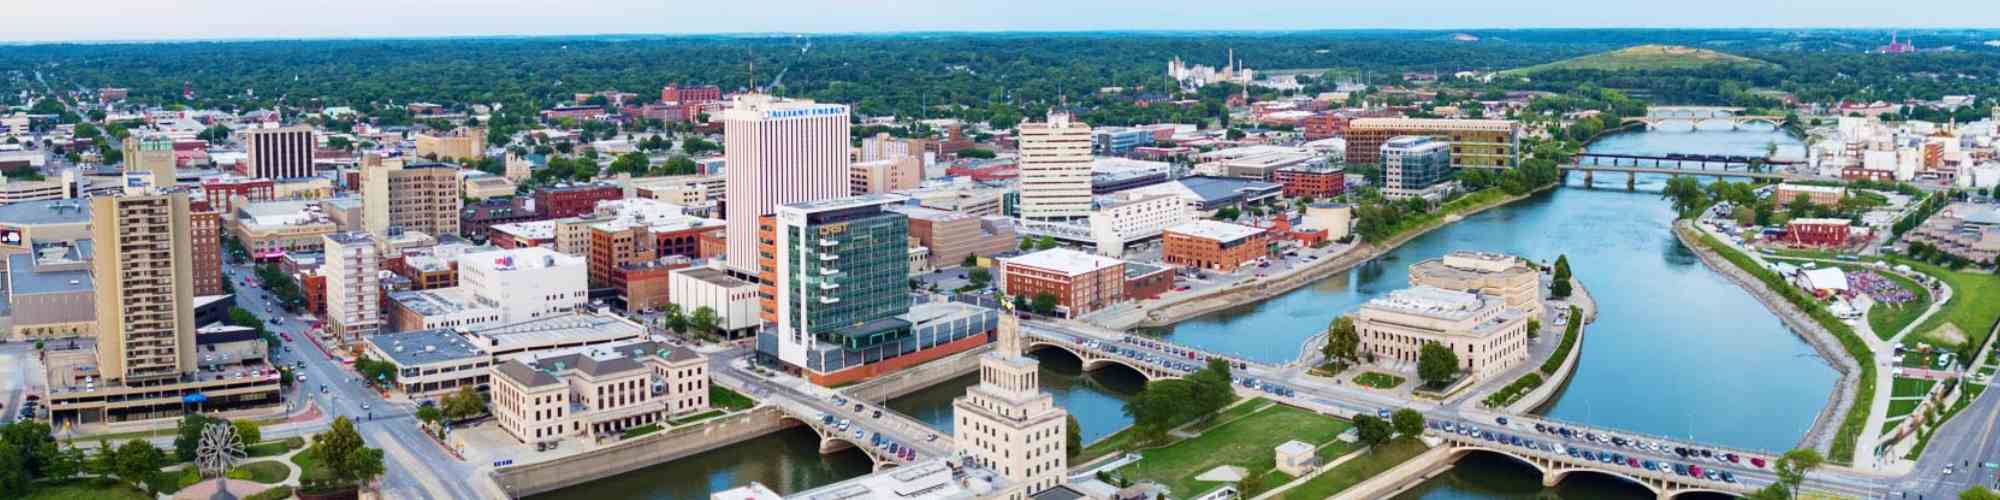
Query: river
1677,350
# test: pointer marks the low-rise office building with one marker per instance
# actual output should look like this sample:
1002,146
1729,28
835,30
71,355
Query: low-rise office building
49,292
733,300
432,362
1081,283
1314,180
952,236
1823,196
1487,336
1511,279
1213,245
1416,167
597,391
271,229
1969,231
1813,232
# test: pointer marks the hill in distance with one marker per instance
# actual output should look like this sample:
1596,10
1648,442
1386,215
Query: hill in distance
1649,57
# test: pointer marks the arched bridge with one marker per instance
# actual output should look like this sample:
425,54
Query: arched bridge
1699,116
1095,355
1555,466
862,434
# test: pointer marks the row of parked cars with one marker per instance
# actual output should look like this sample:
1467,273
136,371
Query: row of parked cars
1275,389
1605,457
1184,352
1684,452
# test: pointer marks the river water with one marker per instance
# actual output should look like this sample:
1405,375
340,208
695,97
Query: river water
1677,350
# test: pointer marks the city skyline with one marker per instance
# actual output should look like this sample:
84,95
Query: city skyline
207,20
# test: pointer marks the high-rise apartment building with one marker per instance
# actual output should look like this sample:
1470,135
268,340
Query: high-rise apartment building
838,273
1415,166
1474,143
1055,169
419,197
279,153
353,285
779,152
205,237
1007,424
152,154
143,269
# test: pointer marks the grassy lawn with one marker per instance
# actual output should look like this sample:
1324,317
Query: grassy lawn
1911,387
1903,406
1355,471
695,417
720,397
310,468
640,431
1378,380
1233,412
86,489
274,448
263,471
1974,306
1247,442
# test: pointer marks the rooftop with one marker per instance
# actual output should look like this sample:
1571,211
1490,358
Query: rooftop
931,479
510,259
1215,230
1064,260
565,328
436,302
278,214
1433,124
1425,300
848,202
712,276
1811,188
534,230
24,278
425,346
29,213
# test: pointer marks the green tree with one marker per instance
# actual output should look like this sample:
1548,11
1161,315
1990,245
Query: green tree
1534,328
464,404
1408,422
672,318
1161,405
970,261
980,276
65,464
1978,492
1762,212
1045,303
1773,491
248,432
1436,364
704,320
1370,431
187,435
138,461
1687,196
634,163
1073,436
1794,465
430,414
1343,341
14,475
340,449
976,153
1046,242
1562,267
1250,485
1801,206
1560,289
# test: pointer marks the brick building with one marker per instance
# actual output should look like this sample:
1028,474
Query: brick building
574,200
1081,282
1318,181
1213,245
1817,232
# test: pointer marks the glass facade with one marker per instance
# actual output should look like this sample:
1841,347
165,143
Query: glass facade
849,273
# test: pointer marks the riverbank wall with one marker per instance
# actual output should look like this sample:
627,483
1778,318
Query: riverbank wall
916,378
633,454
1820,435
1175,310
1402,477
1541,398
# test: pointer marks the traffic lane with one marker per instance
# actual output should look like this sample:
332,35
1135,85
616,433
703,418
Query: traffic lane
1964,445
866,421
1739,469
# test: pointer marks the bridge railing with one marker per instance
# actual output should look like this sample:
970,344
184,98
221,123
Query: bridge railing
1564,458
1686,442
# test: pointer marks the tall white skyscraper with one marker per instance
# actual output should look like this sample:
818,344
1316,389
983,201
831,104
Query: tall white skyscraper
1007,424
353,285
779,152
1055,169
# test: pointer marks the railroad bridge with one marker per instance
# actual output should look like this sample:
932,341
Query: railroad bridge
1555,467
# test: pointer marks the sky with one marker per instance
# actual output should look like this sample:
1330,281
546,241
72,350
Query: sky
118,20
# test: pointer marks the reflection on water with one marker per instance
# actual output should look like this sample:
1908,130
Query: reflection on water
787,461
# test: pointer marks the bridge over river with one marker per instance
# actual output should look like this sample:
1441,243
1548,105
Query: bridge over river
1752,469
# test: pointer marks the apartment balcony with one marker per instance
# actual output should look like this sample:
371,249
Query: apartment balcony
828,243
828,271
828,257
823,299
828,285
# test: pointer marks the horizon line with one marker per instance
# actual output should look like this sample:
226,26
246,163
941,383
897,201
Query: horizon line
776,34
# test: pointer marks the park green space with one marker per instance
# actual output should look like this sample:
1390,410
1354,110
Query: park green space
1355,470
1248,441
1378,380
